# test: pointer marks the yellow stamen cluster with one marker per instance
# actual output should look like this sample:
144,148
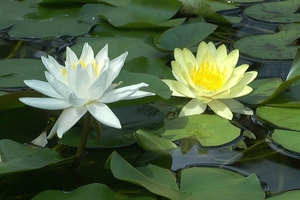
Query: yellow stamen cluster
208,76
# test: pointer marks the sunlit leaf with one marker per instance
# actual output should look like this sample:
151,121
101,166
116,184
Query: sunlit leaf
209,130
17,157
151,142
281,117
92,191
195,183
280,12
269,46
287,139
295,68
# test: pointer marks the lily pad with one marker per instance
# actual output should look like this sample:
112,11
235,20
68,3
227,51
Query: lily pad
142,14
92,191
262,90
202,128
136,47
287,195
275,46
194,183
184,36
279,12
132,118
14,71
16,157
282,117
12,12
287,139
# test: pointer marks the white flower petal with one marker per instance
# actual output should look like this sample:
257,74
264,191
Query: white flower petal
115,67
68,118
71,57
42,87
220,109
98,87
53,131
123,93
53,67
80,81
103,114
193,107
58,86
46,103
87,54
41,140
102,58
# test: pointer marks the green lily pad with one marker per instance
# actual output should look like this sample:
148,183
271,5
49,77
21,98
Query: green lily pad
59,2
14,71
136,47
16,157
92,191
279,12
269,46
287,139
132,118
142,14
202,128
209,10
151,142
262,90
194,183
281,117
12,12
53,28
152,66
184,36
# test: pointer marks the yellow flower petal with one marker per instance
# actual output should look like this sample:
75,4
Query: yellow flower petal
220,109
193,107
174,92
183,89
237,107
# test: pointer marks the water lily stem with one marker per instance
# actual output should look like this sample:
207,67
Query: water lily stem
83,140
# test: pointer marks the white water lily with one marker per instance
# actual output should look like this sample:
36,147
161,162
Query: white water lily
82,85
210,79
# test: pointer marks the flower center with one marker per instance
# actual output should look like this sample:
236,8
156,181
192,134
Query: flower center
208,76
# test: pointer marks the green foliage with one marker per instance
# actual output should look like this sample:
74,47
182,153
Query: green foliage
16,157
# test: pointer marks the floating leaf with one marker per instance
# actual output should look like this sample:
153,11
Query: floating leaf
262,90
281,117
17,157
295,68
14,71
118,45
151,142
142,14
287,139
269,46
92,191
209,130
132,118
184,36
279,12
195,183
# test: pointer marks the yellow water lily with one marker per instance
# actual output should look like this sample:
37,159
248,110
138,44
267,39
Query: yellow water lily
82,85
210,79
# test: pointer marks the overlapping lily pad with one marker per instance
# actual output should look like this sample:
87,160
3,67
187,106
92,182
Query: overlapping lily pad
16,157
287,139
282,117
209,130
269,46
142,14
280,12
195,183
